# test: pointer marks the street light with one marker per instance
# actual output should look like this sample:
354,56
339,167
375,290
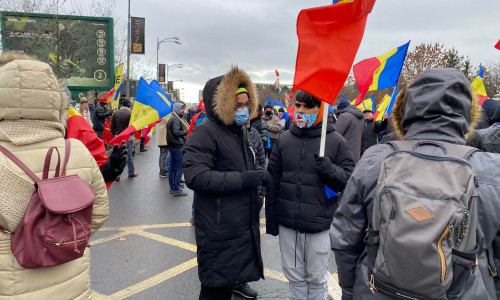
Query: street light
171,66
158,42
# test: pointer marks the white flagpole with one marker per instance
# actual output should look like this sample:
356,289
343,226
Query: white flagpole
323,130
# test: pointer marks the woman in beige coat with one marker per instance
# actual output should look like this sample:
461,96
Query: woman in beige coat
32,118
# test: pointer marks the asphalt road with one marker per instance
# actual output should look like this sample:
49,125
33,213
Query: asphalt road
147,248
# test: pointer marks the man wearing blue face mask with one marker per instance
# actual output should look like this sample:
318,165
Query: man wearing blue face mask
220,166
297,207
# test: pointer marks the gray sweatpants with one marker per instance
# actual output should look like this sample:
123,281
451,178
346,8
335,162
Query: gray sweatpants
305,258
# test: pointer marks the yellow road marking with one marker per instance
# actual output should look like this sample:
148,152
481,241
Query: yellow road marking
152,281
275,275
108,238
142,227
96,296
166,240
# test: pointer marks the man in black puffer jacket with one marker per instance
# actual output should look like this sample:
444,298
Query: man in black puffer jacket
221,168
98,117
371,129
297,206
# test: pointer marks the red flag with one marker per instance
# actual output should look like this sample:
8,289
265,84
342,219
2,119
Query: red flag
277,74
329,39
108,94
498,45
123,136
201,105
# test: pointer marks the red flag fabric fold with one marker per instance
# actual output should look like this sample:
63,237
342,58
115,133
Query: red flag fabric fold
329,38
123,136
498,45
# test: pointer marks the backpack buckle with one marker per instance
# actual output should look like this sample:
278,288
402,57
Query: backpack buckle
371,284
492,272
476,262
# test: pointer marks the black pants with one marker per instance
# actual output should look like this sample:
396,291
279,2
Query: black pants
215,293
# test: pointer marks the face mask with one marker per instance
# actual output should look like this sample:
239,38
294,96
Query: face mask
269,113
305,120
241,116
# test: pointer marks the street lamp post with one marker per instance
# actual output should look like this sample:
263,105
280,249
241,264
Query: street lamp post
158,42
171,66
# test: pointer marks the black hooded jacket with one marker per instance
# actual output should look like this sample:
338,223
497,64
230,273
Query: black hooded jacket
99,116
370,131
216,155
296,196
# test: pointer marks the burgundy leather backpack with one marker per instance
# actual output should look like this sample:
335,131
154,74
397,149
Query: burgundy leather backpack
57,223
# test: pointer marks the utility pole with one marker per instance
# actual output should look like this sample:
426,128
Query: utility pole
128,53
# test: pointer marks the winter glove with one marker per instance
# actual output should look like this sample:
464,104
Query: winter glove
323,165
115,164
264,177
250,179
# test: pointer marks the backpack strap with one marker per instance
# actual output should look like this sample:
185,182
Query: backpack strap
46,165
19,164
449,149
66,156
491,262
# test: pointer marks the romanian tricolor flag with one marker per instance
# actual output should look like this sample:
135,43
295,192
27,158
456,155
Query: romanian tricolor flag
379,72
382,106
276,105
150,105
477,86
367,104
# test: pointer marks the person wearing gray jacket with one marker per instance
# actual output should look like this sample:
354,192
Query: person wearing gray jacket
350,123
438,106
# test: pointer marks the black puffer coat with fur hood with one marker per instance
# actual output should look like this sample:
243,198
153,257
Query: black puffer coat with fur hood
226,214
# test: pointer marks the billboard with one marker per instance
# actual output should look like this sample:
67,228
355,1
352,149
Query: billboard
79,49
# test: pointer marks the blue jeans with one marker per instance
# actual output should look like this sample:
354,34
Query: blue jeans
130,157
175,171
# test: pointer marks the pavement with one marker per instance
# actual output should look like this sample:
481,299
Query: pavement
147,248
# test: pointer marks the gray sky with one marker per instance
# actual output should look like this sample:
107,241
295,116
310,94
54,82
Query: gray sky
260,35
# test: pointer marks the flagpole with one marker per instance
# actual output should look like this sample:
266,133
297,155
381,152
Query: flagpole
392,95
323,130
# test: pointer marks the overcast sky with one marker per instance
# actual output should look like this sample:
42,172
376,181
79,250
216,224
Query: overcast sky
260,35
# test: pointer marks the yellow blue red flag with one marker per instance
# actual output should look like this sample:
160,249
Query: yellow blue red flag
150,105
379,72
477,86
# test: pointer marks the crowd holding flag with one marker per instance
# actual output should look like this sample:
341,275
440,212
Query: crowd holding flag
477,86
276,104
277,82
379,72
149,106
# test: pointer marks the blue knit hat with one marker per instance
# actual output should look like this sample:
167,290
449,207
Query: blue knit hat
343,104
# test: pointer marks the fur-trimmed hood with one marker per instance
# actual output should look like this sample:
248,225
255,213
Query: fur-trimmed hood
220,99
438,105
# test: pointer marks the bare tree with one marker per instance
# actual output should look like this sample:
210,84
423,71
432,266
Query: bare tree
423,57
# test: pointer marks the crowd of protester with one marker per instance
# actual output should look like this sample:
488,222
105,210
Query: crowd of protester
236,155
